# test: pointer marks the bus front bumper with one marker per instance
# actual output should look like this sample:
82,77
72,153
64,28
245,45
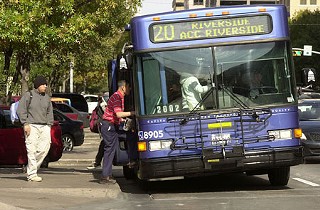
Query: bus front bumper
202,165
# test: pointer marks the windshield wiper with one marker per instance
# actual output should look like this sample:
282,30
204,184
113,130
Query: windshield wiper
234,97
195,109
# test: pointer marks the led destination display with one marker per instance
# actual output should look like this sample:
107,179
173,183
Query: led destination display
210,28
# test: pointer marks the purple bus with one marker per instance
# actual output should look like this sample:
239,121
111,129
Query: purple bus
214,92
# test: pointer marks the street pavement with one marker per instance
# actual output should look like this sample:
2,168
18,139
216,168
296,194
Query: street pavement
66,183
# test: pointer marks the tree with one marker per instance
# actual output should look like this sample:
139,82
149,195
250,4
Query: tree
51,32
305,30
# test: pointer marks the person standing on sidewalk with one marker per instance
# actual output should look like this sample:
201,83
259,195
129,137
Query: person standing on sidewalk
36,115
97,162
110,130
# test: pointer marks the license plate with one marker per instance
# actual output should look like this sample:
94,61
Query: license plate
220,139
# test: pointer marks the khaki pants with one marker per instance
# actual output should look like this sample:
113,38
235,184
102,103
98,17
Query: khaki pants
38,145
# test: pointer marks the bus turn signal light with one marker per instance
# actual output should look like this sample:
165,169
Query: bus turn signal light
142,146
156,18
193,15
298,132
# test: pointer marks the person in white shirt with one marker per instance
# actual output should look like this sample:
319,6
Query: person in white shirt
191,91
13,112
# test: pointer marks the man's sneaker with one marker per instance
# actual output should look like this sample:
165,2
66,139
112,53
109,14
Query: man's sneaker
107,180
35,179
93,166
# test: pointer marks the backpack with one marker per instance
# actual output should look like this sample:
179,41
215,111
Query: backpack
95,120
13,111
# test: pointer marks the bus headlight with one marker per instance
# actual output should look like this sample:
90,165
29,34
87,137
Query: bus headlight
281,134
160,145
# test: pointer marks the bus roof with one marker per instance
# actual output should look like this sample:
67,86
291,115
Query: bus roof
143,34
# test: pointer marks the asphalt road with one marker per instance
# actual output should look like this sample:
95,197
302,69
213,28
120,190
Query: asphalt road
67,184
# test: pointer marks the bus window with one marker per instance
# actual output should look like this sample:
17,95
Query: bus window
231,70
151,78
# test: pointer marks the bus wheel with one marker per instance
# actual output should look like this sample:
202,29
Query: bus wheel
279,176
128,172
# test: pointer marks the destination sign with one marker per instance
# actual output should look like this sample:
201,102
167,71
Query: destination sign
210,28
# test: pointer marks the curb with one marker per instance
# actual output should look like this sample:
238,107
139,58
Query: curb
72,162
9,207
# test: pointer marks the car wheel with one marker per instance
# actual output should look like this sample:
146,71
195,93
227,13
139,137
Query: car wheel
68,142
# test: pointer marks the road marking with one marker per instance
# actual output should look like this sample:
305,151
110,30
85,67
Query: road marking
306,182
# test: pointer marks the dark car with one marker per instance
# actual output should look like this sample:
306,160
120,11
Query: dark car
77,100
309,115
69,110
72,130
12,142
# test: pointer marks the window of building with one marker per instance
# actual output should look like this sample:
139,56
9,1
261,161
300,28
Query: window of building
313,2
197,2
303,2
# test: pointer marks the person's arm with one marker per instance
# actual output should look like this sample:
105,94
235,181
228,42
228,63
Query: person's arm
50,113
124,114
198,87
22,110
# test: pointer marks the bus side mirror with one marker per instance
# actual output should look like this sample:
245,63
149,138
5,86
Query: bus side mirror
128,58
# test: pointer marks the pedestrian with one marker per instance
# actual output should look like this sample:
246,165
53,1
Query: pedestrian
110,131
99,111
36,116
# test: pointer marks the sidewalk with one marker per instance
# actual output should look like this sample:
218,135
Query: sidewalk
67,182
82,155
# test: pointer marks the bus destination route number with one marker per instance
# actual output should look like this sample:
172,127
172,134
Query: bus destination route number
210,28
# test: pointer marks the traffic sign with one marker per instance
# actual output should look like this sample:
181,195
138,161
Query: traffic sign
307,50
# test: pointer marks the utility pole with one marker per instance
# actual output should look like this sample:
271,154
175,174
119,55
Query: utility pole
71,76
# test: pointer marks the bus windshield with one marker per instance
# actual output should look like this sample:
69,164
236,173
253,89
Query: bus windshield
215,78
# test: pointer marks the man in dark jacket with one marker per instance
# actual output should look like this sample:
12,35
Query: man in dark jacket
36,115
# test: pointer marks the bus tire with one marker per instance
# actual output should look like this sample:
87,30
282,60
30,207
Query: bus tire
128,172
279,176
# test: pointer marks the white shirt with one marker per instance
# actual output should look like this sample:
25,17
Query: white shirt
191,91
13,111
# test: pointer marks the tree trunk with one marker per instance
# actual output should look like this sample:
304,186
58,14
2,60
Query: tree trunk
7,60
23,67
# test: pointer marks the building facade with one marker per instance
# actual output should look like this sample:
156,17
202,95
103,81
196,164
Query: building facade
293,6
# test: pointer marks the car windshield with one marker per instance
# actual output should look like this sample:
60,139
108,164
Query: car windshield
249,75
309,110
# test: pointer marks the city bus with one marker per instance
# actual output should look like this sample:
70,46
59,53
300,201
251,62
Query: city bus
221,121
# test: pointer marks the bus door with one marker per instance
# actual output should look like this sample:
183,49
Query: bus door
127,139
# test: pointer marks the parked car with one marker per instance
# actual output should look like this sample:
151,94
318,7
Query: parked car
309,115
77,100
12,142
73,116
74,113
61,100
72,130
92,101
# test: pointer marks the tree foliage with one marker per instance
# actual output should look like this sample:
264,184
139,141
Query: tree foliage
305,30
46,35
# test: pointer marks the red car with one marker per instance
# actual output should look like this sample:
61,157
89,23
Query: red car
12,142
